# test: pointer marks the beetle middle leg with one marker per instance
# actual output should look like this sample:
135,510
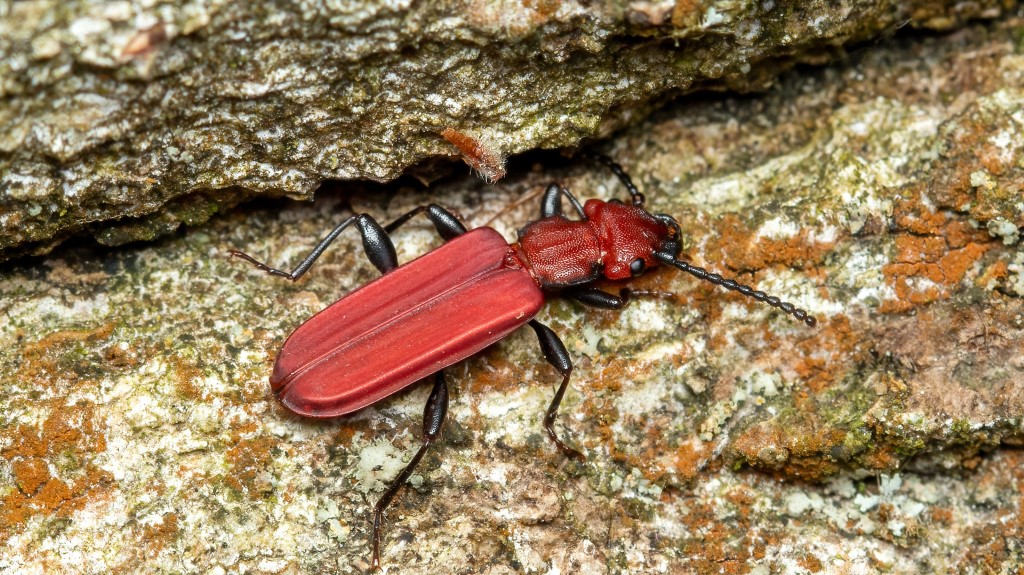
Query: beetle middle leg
555,353
433,418
376,243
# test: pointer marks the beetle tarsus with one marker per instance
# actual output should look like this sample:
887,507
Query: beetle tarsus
260,265
549,421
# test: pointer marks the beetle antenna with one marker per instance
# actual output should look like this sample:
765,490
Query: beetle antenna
746,290
637,197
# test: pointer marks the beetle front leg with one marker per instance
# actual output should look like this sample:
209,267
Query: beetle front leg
551,205
556,354
433,419
376,243
594,297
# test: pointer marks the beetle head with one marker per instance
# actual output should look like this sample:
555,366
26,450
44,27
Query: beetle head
630,236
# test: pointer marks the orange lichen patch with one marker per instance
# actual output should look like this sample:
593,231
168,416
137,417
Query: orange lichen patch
881,458
799,448
941,515
69,429
942,275
919,216
989,551
486,159
960,233
613,371
993,545
646,461
912,215
739,247
995,272
158,535
186,376
67,441
152,538
648,456
743,498
249,461
345,431
56,359
725,546
933,257
916,249
30,473
691,457
810,563
601,418
971,148
256,394
493,372
828,354
121,356
240,430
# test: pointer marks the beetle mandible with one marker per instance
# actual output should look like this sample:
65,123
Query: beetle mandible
422,317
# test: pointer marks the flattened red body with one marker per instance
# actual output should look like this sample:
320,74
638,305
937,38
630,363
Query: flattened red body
411,322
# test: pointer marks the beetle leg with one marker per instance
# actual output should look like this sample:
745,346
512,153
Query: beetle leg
594,297
446,223
556,354
433,418
551,205
376,243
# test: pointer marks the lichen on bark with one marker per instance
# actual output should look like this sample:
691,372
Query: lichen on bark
124,119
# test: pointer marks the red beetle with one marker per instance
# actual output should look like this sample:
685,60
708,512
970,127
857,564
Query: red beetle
435,311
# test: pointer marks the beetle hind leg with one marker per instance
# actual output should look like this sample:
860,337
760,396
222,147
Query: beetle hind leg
433,419
376,243
448,226
556,354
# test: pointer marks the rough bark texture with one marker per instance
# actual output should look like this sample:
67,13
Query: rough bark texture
125,119
885,193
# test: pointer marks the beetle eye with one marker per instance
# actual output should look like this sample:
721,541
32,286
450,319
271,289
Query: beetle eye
637,266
